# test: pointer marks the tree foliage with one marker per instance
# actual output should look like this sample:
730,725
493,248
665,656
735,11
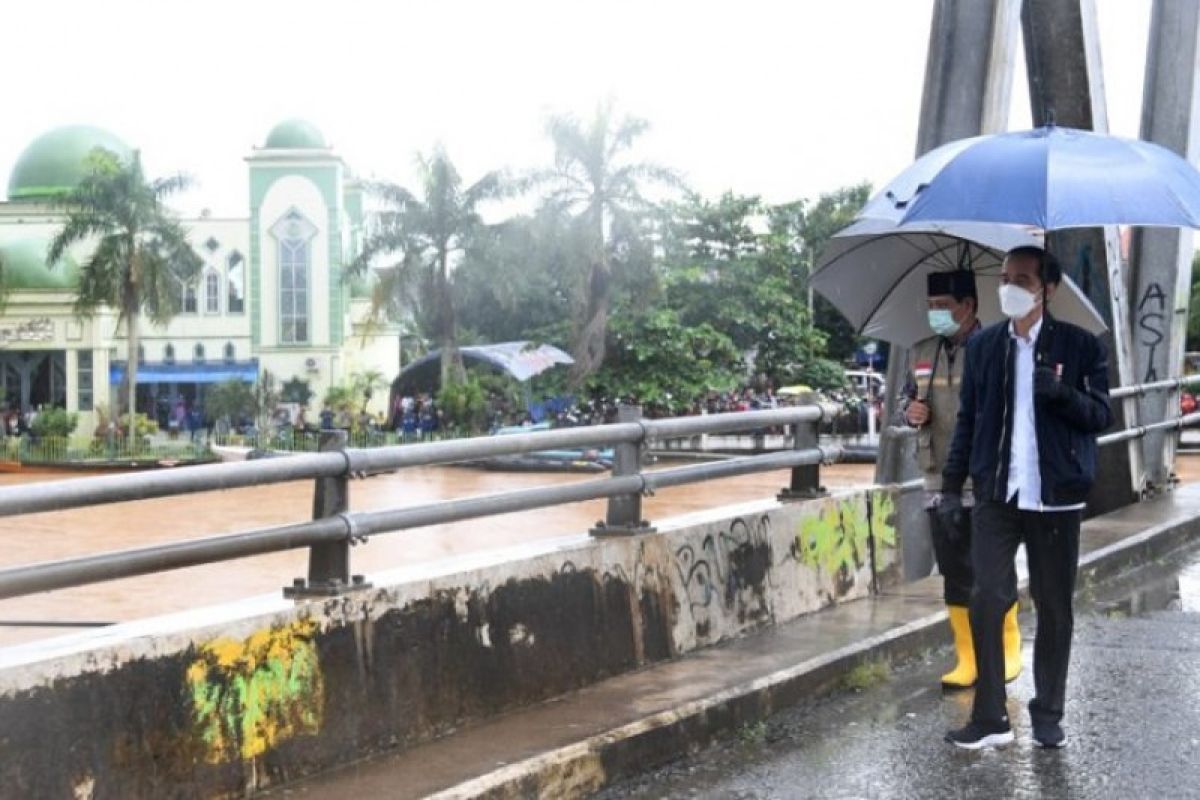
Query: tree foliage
831,213
1193,326
141,258
658,360
740,265
55,422
592,179
424,234
230,401
658,300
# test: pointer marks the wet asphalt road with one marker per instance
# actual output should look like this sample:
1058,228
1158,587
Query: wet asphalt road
1133,720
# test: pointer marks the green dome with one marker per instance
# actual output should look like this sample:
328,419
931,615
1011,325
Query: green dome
295,134
24,267
54,162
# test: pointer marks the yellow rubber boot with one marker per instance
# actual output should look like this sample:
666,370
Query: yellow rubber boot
1012,645
963,675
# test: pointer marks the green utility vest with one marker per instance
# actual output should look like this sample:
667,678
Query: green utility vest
940,392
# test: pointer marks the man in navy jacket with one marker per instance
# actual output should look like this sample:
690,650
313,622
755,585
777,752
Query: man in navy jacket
1034,396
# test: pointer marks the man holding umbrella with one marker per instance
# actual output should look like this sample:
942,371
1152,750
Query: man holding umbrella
931,405
1034,395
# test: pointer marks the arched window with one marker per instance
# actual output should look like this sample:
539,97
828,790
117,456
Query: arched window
294,235
230,353
198,353
235,303
293,290
189,299
212,292
169,354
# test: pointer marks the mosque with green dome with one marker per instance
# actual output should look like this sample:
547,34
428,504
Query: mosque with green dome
270,296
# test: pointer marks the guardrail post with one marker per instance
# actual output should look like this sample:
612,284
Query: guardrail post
806,479
624,516
329,563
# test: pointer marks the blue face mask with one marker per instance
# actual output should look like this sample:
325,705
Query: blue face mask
941,322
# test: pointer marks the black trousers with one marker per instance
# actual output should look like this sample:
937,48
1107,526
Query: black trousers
1052,546
952,551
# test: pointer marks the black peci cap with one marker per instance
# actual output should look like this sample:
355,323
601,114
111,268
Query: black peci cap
960,283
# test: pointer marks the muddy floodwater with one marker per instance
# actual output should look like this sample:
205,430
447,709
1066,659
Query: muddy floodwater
49,536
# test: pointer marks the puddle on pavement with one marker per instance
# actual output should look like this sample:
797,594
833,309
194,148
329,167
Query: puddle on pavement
1171,584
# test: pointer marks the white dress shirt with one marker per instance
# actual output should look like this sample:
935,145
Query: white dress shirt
1024,471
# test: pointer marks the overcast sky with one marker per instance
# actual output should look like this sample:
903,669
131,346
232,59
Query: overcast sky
783,99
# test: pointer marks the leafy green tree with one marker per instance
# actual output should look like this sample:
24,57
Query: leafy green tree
831,213
56,422
230,400
141,259
751,286
364,385
463,405
657,359
340,399
1193,326
426,233
520,279
591,177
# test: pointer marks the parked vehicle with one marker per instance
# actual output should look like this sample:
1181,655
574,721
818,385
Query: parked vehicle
866,383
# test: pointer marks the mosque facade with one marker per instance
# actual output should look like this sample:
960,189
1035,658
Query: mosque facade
271,297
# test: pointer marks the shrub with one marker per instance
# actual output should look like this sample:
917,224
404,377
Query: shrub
54,422
464,405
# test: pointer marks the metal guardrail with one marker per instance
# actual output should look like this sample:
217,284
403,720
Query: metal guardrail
1120,393
1141,389
334,528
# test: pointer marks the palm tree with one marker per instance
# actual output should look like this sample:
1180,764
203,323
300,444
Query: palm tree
426,234
364,385
141,257
589,177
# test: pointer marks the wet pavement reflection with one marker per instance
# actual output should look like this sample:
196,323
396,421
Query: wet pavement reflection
49,536
1132,719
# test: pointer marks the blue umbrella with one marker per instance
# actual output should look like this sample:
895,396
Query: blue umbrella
1051,178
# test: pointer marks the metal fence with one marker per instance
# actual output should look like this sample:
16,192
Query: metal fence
84,451
334,529
291,440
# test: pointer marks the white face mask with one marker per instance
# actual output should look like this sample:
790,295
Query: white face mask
1016,302
941,322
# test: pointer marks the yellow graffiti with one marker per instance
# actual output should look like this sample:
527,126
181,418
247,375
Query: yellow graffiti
838,538
249,694
883,528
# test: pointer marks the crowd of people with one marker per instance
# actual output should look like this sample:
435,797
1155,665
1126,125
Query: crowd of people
14,422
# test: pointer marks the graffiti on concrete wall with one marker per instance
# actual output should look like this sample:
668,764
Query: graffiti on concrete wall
1151,327
848,534
250,694
732,566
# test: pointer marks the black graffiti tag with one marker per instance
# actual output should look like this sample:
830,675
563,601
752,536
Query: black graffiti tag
1151,316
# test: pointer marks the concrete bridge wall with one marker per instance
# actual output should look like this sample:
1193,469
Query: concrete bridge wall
226,700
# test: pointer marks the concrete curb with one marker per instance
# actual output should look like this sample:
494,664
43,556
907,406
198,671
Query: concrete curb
589,765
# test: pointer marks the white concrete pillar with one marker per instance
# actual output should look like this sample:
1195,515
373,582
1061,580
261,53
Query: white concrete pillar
1162,258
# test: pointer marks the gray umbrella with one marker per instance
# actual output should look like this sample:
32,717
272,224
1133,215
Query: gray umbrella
874,273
